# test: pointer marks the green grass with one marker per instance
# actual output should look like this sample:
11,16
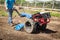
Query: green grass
4,13
55,14
29,11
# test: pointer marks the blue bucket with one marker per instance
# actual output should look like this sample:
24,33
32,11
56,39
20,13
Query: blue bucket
19,27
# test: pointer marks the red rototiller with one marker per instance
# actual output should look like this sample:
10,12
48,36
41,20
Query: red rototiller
37,22
34,22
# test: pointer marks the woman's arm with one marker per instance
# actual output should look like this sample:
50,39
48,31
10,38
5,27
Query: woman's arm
6,4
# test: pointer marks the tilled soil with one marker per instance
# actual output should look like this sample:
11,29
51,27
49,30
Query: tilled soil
51,33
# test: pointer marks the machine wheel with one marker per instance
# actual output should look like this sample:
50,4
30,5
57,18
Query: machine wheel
44,27
30,26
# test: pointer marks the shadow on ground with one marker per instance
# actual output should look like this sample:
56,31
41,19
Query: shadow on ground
47,31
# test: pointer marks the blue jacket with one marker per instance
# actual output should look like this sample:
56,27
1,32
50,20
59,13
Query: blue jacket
10,3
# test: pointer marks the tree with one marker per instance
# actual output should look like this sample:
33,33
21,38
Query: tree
53,2
35,2
20,2
43,5
2,1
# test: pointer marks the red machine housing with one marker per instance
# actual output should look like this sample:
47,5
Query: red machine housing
41,18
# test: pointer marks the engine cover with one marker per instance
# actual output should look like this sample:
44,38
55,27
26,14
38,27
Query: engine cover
45,14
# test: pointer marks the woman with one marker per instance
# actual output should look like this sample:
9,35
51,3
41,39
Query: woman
9,7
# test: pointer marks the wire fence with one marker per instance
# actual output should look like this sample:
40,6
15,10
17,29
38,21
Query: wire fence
54,5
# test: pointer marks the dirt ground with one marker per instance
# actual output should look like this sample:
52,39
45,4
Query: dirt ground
8,33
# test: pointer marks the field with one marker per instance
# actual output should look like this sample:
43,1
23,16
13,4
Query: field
8,33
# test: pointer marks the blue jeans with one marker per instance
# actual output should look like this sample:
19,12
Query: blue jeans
10,11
